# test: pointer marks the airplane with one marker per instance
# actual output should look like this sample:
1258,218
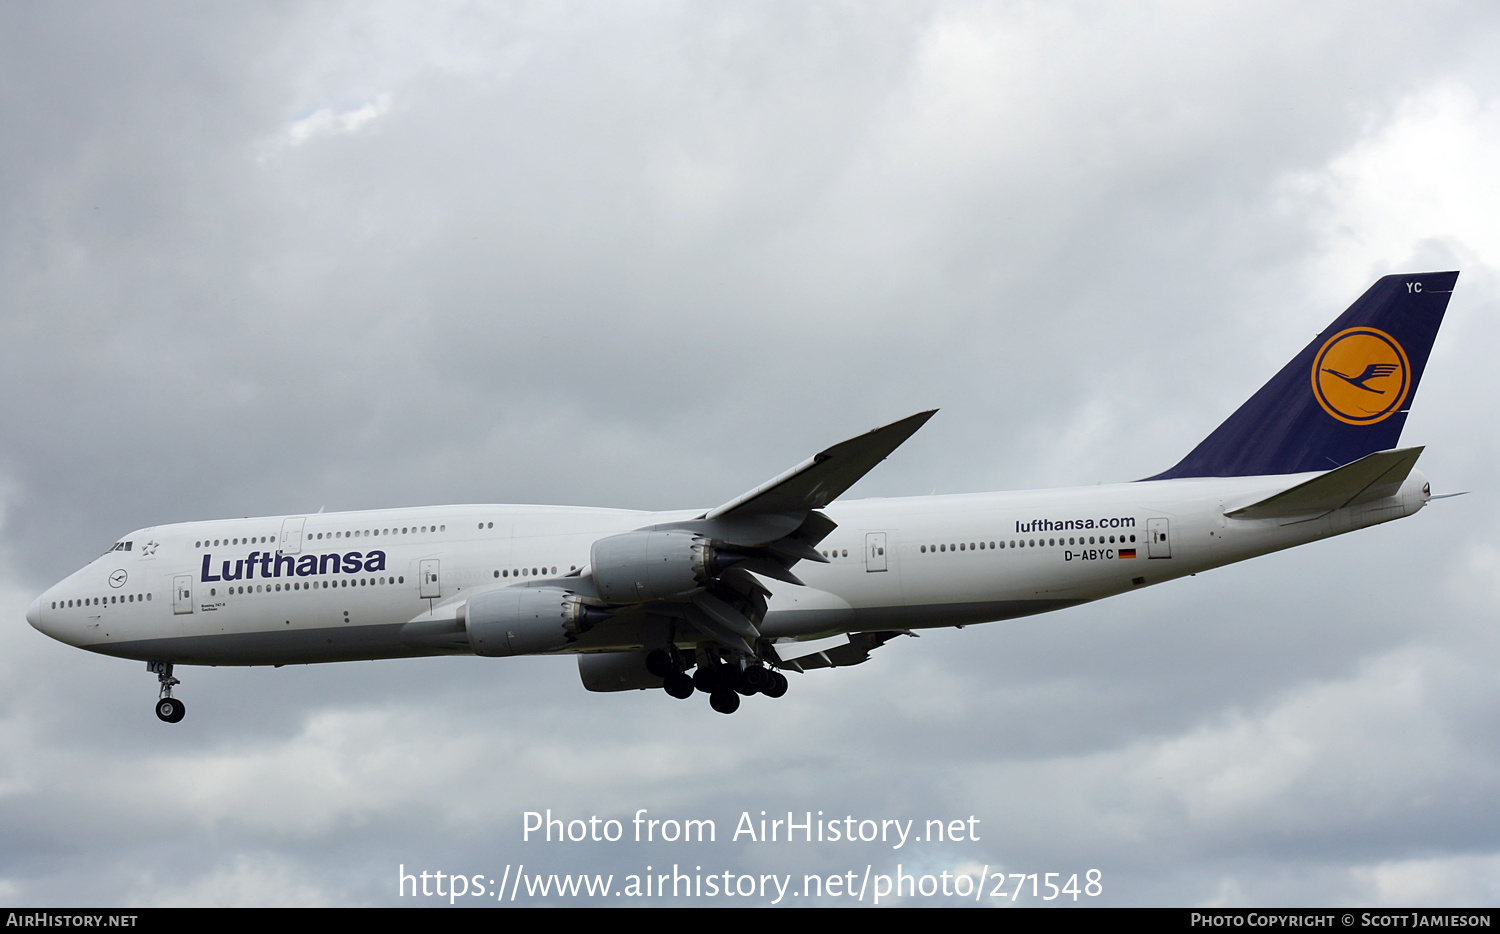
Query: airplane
785,577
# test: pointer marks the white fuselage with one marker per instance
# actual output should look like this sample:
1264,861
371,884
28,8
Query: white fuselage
360,585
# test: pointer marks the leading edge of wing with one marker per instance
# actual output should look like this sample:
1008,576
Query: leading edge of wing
825,476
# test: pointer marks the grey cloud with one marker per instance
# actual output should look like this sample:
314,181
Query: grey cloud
264,260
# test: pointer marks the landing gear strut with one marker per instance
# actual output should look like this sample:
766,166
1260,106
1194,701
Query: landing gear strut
724,676
725,682
666,665
168,708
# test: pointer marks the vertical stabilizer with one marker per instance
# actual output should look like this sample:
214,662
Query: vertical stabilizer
1346,395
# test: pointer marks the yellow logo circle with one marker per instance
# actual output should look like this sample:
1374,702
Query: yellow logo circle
1360,376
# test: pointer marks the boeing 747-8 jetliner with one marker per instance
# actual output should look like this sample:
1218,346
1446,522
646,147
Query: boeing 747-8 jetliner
784,577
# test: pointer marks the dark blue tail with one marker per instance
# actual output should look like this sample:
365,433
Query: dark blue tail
1344,396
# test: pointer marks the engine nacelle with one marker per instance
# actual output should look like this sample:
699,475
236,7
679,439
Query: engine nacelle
637,567
616,671
524,620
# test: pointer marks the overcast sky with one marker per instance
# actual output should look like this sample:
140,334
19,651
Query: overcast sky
263,259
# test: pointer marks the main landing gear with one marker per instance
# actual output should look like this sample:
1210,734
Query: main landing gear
723,681
168,708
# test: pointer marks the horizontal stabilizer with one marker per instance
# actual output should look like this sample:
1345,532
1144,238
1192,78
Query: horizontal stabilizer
1374,476
824,477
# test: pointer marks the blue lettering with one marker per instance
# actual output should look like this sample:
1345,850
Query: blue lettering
288,565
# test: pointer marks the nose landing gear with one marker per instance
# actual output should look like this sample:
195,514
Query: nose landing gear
168,708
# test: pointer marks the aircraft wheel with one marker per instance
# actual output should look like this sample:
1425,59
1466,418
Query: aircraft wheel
678,685
711,679
170,709
659,662
753,680
778,685
724,701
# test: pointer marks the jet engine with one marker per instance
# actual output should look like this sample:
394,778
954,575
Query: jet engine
526,620
638,567
616,671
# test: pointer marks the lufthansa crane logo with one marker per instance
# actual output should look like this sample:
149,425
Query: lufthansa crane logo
1360,376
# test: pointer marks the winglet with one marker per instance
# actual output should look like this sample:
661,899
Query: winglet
825,476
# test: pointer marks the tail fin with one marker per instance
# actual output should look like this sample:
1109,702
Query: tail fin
1344,396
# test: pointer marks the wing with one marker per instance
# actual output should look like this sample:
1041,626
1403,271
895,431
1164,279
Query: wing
822,478
705,571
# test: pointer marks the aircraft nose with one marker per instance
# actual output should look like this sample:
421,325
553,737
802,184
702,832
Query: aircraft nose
48,623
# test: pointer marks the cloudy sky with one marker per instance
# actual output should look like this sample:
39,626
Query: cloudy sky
266,259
